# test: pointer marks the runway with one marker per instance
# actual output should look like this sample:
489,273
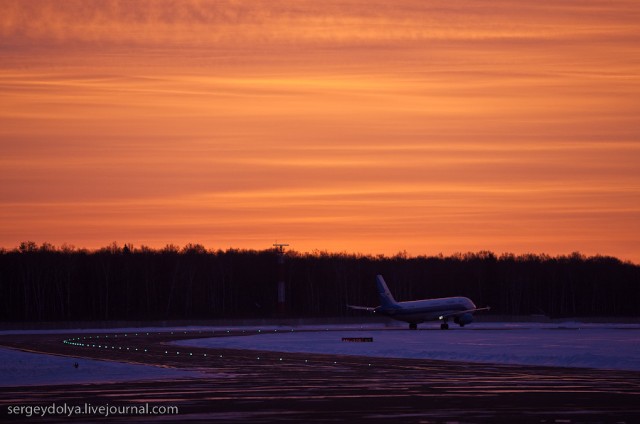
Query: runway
262,387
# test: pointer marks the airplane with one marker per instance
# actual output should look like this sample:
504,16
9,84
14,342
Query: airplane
460,309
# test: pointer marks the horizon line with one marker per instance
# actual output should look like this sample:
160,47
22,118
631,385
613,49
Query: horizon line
113,247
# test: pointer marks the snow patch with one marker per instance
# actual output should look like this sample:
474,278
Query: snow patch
591,346
19,368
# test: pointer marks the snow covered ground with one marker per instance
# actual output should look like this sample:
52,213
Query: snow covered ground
19,368
604,346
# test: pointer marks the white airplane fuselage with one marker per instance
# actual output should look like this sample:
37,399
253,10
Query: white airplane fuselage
418,311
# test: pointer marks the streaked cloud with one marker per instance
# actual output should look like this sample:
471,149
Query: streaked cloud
360,126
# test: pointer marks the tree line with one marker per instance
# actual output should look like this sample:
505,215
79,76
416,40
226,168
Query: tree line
47,283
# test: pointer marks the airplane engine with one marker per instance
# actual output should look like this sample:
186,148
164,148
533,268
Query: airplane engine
464,319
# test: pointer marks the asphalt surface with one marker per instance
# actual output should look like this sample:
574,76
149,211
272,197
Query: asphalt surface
263,387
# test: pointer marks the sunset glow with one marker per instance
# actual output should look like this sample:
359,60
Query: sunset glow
348,126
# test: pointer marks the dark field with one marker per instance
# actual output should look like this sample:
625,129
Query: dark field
236,386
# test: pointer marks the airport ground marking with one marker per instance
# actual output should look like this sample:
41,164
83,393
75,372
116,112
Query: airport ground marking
83,343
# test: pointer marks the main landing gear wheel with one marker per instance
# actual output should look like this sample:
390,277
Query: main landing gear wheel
444,326
413,326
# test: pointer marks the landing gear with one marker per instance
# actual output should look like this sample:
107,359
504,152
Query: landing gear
458,321
444,326
413,326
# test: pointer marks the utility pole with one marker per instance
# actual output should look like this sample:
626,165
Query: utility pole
281,290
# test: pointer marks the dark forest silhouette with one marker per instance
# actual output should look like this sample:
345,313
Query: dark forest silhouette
45,283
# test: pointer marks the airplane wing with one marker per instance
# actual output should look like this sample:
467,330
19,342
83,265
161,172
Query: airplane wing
361,308
458,313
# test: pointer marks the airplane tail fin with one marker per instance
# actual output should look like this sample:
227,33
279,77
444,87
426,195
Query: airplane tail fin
386,298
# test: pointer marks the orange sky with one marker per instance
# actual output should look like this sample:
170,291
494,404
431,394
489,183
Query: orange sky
373,127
